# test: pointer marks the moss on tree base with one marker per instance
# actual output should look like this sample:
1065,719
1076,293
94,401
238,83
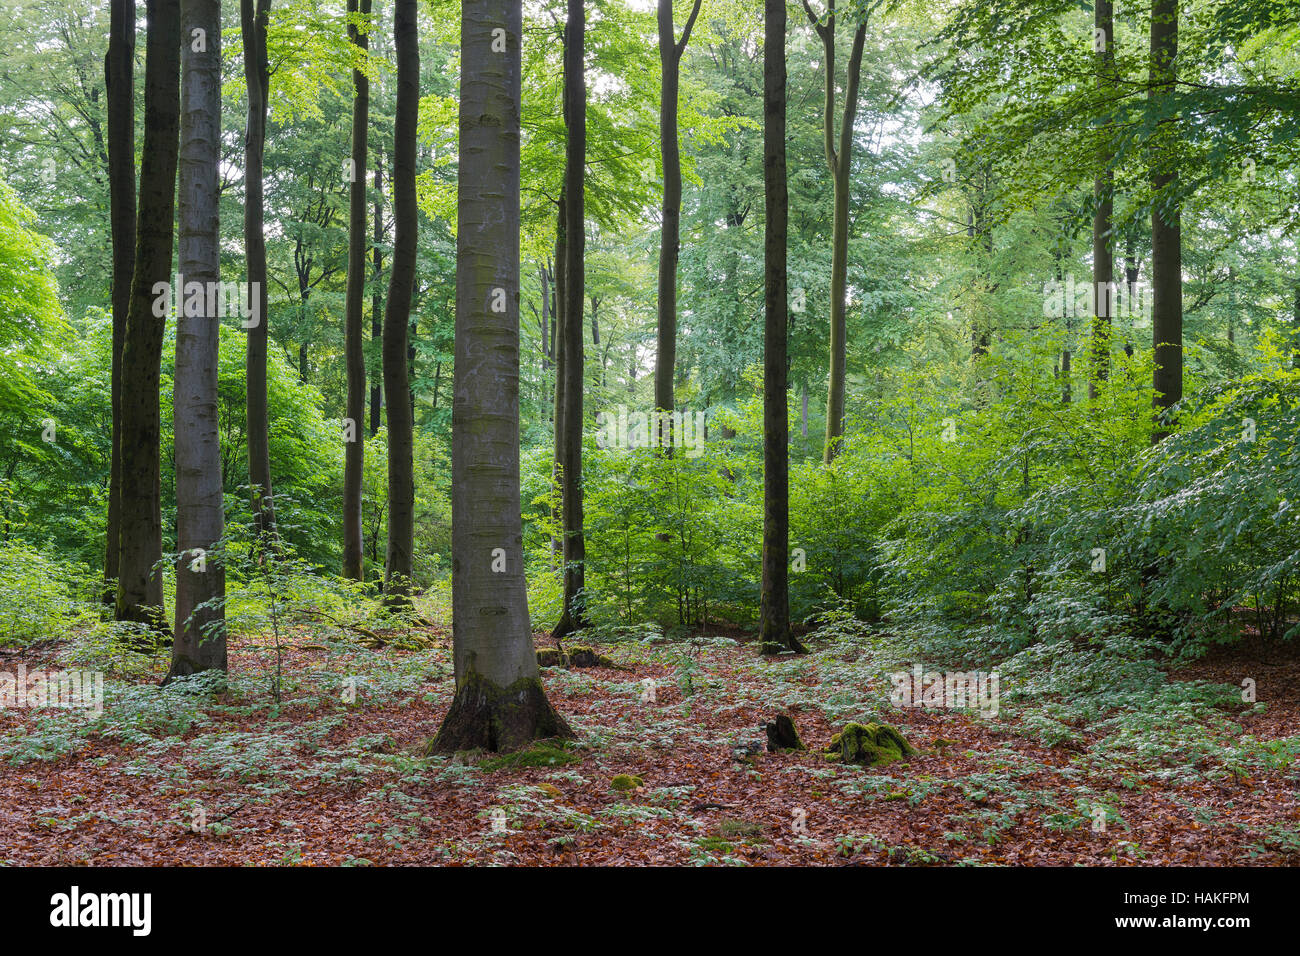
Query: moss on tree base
484,716
874,745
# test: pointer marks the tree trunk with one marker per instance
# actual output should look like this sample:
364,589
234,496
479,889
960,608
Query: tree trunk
139,582
354,448
253,16
119,83
1130,288
376,295
838,162
500,703
670,57
574,615
1166,230
397,314
200,637
1103,256
557,415
774,603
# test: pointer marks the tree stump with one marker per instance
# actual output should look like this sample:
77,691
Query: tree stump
873,745
782,735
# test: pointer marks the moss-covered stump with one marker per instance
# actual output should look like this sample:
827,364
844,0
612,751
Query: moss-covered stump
625,782
550,657
484,716
782,735
577,656
874,745
589,657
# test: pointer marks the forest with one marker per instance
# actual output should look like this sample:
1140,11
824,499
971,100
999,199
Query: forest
650,432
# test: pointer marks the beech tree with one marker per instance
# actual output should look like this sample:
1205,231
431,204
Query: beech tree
1103,249
139,580
500,703
354,448
397,315
253,16
670,58
1166,224
200,639
573,616
119,84
839,159
774,600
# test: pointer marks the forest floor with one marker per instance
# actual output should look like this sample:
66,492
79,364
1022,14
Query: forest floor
176,777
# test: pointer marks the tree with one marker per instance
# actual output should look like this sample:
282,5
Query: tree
354,448
1103,250
670,58
119,83
500,703
139,579
200,639
573,617
774,603
397,314
838,162
376,295
1166,225
253,15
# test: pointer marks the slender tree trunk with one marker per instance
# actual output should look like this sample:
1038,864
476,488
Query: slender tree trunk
838,162
200,637
1131,289
1166,228
1103,255
376,295
139,582
574,615
670,57
774,603
253,16
557,414
500,703
354,448
397,315
119,83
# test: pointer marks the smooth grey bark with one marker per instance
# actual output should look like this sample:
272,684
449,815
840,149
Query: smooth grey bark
253,15
774,601
397,315
670,58
838,162
354,447
200,637
139,581
119,85
499,702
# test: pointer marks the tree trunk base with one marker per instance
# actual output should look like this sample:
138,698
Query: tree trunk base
484,716
566,625
781,644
